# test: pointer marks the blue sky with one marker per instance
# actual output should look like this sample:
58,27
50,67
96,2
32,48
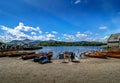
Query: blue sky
66,20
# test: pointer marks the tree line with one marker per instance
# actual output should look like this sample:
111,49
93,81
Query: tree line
57,43
62,43
1,43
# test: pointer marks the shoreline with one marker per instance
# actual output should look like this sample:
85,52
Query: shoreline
92,70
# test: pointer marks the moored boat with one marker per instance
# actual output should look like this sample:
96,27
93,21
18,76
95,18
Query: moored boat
32,48
113,54
20,54
2,54
30,56
14,53
95,54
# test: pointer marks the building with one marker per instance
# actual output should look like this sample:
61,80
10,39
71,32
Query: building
114,41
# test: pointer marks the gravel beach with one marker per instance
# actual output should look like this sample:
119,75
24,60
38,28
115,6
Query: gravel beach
89,70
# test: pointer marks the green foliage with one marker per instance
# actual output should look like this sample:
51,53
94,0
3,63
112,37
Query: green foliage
59,43
1,43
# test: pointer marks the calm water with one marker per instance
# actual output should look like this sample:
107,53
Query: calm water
76,49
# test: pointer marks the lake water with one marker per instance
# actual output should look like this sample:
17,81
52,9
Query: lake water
76,49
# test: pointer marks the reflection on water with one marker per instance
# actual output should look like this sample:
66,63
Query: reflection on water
76,49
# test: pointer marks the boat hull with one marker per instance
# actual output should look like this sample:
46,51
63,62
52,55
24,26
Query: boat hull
32,48
14,53
95,54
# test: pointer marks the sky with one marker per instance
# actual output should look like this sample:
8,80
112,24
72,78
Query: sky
61,20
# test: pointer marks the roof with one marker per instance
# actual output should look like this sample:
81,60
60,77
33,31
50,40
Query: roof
114,38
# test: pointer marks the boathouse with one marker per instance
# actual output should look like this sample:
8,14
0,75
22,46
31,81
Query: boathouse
114,41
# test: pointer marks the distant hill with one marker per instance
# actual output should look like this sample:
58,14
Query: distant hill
56,43
26,41
78,43
16,42
35,42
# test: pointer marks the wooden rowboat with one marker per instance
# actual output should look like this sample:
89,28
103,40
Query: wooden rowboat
14,53
7,53
113,54
20,54
2,54
31,56
32,48
95,54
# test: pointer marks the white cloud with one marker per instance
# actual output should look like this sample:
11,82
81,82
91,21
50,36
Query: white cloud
14,32
46,32
6,38
19,32
77,1
96,34
33,33
22,32
105,38
41,37
22,27
54,32
4,28
90,39
69,37
50,37
79,35
88,32
40,32
103,27
38,29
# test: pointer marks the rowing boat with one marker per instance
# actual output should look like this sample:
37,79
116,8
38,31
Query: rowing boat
95,54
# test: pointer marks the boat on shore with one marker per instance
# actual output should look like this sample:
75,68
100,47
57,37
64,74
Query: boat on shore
14,53
31,56
95,54
20,49
113,54
25,57
32,48
21,53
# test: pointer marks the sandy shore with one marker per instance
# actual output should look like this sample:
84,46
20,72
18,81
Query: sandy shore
90,70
